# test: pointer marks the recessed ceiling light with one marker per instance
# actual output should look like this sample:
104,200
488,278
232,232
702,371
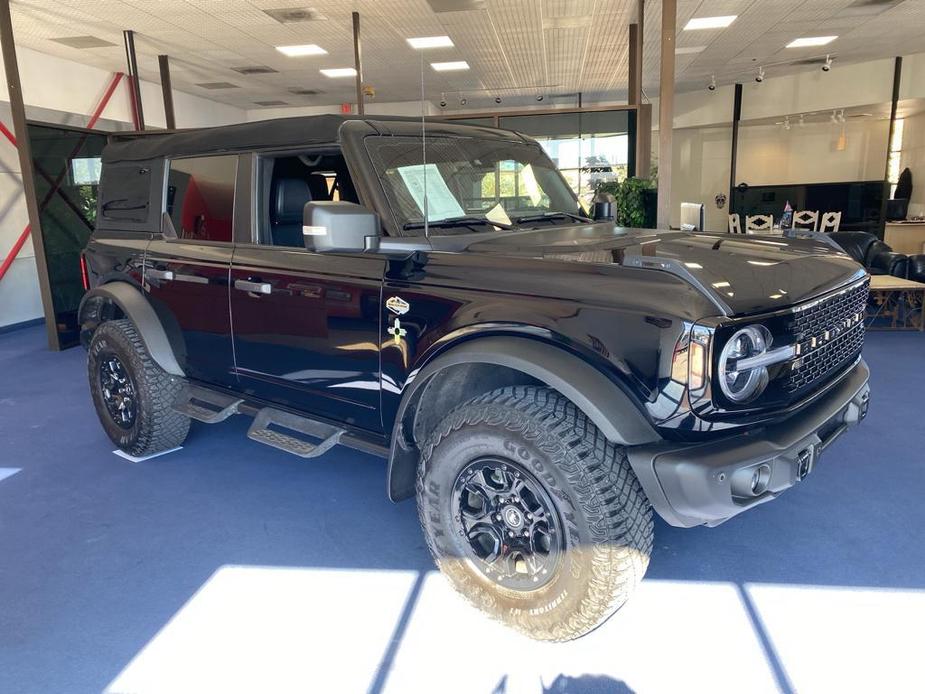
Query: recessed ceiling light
688,50
430,42
710,22
811,41
452,65
339,72
301,50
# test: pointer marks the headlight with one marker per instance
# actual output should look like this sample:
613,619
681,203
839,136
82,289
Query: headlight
742,377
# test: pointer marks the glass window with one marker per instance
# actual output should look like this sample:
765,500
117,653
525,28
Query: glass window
484,179
200,197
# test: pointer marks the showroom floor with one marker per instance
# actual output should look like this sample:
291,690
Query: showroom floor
229,566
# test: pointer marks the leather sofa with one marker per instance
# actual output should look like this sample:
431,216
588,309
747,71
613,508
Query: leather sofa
876,256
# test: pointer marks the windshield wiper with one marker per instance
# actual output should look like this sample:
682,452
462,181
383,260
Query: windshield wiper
550,215
456,222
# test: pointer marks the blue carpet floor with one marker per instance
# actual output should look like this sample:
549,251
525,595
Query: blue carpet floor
97,554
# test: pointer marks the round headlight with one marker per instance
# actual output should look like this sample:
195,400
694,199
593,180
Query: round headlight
743,384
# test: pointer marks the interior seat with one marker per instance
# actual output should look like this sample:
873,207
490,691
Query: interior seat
289,197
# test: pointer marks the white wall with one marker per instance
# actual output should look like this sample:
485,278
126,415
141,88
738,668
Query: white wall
913,156
65,92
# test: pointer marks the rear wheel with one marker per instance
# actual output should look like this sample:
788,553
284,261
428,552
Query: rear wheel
532,514
133,396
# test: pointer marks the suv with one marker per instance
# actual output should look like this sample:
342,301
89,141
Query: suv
540,381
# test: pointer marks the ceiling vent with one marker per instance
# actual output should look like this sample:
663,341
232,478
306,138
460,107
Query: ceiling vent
217,85
819,60
291,15
254,70
304,91
456,5
271,102
83,42
867,7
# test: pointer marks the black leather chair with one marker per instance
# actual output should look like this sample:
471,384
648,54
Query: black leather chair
289,196
876,256
917,268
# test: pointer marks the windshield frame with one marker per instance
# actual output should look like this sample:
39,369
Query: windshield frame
396,222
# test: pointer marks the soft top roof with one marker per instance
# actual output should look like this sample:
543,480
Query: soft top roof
280,132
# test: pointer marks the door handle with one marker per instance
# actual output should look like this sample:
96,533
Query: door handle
155,274
255,287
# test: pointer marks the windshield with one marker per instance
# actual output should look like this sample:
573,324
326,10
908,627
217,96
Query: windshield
470,184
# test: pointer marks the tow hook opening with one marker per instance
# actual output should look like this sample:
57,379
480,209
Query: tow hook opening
804,463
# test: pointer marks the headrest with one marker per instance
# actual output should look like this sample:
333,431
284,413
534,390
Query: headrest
289,200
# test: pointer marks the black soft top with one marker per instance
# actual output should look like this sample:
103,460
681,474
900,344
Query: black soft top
279,132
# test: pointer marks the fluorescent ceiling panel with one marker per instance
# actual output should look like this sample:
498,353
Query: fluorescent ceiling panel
450,66
710,22
339,72
808,41
301,50
430,42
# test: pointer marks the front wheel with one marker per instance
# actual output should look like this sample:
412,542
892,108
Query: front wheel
532,514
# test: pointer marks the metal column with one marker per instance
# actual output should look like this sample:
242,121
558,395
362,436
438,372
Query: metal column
135,86
736,117
358,62
24,147
666,111
163,63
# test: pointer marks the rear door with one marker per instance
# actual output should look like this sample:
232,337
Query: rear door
306,324
186,278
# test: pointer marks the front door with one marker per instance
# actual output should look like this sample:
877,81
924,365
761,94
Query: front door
306,330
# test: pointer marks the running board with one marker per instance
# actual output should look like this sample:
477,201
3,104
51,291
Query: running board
205,405
261,432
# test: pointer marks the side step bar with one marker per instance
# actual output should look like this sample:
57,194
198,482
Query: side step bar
206,405
261,432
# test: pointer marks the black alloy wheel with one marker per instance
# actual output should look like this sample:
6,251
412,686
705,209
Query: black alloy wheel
512,531
118,391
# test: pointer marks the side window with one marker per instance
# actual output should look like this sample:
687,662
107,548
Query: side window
125,190
200,197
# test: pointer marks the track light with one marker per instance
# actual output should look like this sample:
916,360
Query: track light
828,64
497,99
539,97
463,102
841,116
834,117
712,85
760,76
802,121
787,123
442,100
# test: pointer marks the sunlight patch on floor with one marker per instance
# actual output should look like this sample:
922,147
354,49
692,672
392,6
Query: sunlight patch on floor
6,472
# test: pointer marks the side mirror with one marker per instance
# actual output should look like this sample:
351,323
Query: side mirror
338,226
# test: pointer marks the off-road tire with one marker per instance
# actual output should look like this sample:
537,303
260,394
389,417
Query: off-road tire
156,427
606,515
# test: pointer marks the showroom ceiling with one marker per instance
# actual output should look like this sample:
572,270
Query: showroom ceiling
516,49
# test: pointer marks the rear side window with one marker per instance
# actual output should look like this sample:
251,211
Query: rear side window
125,190
200,197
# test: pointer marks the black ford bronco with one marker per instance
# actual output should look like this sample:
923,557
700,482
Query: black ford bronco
539,380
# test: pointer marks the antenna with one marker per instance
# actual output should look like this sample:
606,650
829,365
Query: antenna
424,152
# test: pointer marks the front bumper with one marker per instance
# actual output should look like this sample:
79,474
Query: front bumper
708,483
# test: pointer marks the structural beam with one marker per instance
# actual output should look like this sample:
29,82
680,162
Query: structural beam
734,154
128,36
634,83
894,105
644,140
163,63
24,147
358,62
643,153
666,110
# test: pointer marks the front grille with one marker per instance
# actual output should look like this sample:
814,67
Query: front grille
829,334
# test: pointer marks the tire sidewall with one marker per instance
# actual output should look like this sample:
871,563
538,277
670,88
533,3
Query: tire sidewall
108,339
567,589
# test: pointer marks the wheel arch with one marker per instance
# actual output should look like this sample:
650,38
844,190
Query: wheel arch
476,366
131,303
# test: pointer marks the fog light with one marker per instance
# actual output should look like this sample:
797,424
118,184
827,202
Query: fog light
760,479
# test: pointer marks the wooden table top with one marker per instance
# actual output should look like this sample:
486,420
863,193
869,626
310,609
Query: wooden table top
888,282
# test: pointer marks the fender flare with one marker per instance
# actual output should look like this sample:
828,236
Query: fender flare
597,396
137,309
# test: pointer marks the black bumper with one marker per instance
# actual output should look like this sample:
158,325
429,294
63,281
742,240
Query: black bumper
706,484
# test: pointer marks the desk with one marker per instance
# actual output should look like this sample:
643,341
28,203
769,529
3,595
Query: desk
905,237
899,300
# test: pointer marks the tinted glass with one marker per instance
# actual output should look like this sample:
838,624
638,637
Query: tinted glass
468,177
200,197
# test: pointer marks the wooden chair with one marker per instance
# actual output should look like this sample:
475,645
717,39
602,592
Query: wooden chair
806,219
831,221
735,224
758,223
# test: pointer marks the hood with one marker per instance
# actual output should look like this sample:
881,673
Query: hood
741,274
